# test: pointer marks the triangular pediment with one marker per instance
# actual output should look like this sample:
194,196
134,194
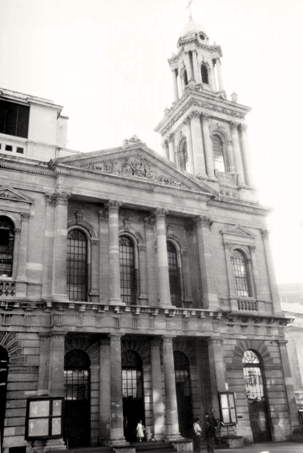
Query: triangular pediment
135,161
237,230
10,194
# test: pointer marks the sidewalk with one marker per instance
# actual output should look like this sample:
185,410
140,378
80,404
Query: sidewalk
268,447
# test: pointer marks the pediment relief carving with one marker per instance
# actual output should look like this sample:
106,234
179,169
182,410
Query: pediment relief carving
237,231
8,193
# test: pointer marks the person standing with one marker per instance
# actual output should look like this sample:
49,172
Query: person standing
197,434
140,431
210,432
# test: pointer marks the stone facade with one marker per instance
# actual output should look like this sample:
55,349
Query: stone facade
183,325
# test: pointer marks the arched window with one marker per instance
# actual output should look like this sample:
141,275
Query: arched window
174,275
253,376
183,155
218,153
185,77
132,382
240,274
7,237
183,390
127,270
77,265
204,73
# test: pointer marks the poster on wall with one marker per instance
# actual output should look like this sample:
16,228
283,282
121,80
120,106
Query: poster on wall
44,418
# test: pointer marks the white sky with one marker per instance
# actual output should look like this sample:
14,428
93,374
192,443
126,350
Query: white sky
105,61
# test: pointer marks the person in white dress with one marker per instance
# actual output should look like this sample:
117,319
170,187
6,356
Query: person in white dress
140,431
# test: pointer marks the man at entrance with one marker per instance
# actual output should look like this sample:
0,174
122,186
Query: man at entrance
210,432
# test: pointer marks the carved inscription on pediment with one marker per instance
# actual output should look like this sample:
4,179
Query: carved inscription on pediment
8,195
133,166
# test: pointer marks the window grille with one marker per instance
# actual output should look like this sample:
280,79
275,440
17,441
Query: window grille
132,383
14,119
127,270
174,275
76,375
253,376
240,274
76,265
204,74
7,237
218,153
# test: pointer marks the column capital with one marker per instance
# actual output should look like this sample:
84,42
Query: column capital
233,125
160,213
171,137
283,342
164,142
113,205
212,340
149,223
243,128
167,339
186,121
265,233
61,198
194,114
205,116
115,337
25,216
203,220
103,215
104,341
50,199
156,342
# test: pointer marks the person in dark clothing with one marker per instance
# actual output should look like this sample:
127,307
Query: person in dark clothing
210,432
197,434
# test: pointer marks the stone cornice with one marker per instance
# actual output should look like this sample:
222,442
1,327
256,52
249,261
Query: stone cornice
238,205
194,40
250,317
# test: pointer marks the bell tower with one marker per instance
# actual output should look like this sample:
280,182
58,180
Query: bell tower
203,132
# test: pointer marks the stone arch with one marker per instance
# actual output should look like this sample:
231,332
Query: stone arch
141,347
188,349
15,219
256,346
86,227
132,234
86,344
9,341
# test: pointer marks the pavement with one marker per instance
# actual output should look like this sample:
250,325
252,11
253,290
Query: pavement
267,447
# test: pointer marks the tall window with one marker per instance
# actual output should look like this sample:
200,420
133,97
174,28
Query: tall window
6,246
185,77
132,382
127,270
253,379
76,265
218,153
174,275
76,375
204,73
183,391
183,155
240,274
14,119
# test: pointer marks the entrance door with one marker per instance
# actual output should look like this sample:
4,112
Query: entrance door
132,388
77,399
3,381
183,390
257,404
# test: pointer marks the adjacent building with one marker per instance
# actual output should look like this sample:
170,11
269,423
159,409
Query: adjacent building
135,285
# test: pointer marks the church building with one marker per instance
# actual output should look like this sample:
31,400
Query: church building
136,285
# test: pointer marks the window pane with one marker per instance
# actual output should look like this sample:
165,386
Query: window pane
218,153
240,274
174,275
76,265
6,246
127,270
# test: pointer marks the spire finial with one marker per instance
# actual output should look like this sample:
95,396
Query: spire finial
189,9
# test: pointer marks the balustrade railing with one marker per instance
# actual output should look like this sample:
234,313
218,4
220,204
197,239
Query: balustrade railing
7,289
247,305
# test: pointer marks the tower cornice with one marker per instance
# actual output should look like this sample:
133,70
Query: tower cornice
183,42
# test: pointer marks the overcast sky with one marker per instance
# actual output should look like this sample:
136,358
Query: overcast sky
105,61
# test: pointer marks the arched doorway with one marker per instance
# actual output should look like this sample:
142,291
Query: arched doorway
3,383
77,399
183,390
256,398
132,391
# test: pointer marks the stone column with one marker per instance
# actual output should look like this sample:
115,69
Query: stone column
171,410
275,298
116,400
219,74
231,159
246,156
44,361
157,391
113,243
48,247
152,281
165,149
293,410
143,294
209,293
171,148
198,149
105,383
21,280
163,276
217,372
103,257
237,153
189,68
212,77
60,248
56,364
175,84
197,73
208,146
191,157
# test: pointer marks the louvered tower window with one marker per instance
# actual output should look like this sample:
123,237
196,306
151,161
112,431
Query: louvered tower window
76,265
240,274
185,77
174,275
204,73
14,119
7,237
218,153
127,270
